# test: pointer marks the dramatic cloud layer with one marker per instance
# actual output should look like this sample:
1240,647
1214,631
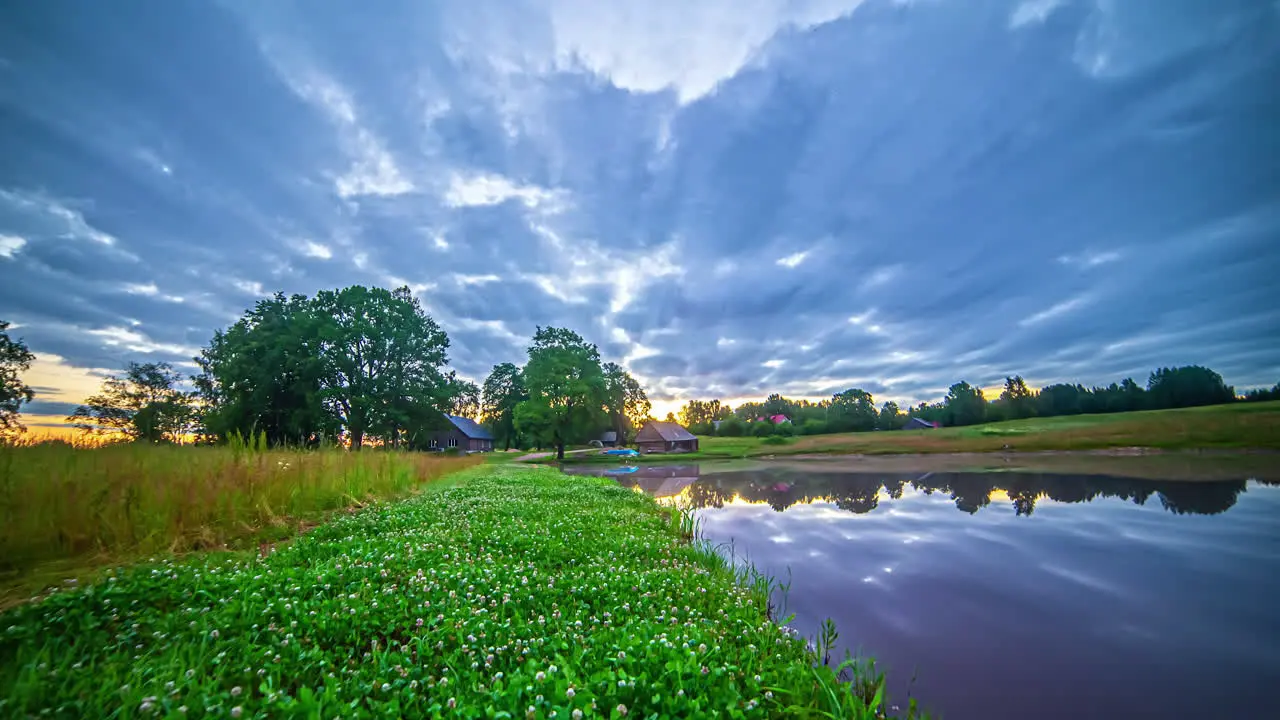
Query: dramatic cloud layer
731,197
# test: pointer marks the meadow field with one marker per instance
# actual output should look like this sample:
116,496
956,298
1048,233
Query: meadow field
66,510
506,592
1239,426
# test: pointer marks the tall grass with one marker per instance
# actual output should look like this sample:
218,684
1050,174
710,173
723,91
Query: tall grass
59,501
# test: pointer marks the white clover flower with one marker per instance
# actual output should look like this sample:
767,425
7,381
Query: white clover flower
570,693
622,709
235,691
235,711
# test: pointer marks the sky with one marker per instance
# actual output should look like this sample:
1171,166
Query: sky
730,197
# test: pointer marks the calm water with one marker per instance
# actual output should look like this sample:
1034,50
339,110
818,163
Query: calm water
1016,595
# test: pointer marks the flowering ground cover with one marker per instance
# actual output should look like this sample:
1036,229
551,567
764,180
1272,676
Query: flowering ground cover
513,592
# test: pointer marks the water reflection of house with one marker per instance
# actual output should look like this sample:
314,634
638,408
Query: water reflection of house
663,482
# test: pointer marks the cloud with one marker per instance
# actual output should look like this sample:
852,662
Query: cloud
1090,259
11,244
1033,12
807,196
688,48
134,341
313,249
792,260
1057,310
373,171
481,190
68,223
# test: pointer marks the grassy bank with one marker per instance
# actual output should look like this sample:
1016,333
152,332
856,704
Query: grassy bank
1242,426
515,592
65,510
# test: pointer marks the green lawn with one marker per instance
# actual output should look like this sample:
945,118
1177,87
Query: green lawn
513,592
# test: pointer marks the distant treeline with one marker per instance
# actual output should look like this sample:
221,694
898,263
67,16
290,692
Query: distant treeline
854,410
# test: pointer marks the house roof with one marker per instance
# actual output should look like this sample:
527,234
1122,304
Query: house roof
470,428
669,431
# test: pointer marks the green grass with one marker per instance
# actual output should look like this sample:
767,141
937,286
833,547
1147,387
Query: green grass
513,592
1241,426
66,510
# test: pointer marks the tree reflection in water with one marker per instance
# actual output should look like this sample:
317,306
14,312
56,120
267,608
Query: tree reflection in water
862,492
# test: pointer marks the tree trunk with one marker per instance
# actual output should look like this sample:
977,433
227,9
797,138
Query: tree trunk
357,439
560,450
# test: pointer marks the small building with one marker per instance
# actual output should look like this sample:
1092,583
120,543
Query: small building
664,437
916,423
464,434
609,439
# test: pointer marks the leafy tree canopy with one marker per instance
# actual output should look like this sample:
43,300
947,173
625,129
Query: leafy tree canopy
503,391
15,359
567,389
144,404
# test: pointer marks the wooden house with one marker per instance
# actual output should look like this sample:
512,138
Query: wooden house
464,434
665,437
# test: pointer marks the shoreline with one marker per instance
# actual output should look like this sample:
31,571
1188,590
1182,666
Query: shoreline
1139,463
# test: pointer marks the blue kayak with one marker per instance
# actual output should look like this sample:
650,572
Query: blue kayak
621,452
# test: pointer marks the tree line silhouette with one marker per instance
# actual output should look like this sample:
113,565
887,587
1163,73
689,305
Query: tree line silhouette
854,410
862,492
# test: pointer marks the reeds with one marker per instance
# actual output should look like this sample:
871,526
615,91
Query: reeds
60,501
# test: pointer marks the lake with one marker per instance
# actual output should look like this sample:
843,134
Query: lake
1013,594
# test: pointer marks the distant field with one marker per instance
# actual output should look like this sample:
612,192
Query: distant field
1242,426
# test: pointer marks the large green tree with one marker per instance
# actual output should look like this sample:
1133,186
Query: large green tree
703,412
144,404
566,387
964,405
263,375
466,398
364,361
1187,386
15,359
625,402
381,358
1016,399
503,390
891,417
853,410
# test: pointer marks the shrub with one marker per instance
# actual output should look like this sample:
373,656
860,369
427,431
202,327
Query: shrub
732,427
761,428
813,427
775,440
785,429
